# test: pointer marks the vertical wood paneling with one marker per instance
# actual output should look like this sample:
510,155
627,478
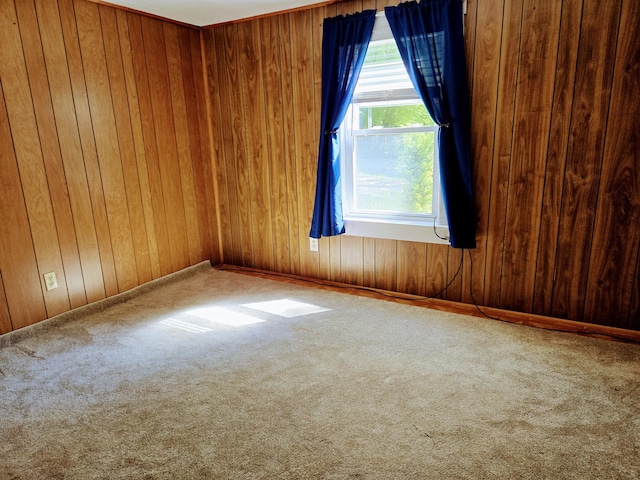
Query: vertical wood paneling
51,155
107,146
412,263
28,152
385,264
18,267
71,149
276,140
181,125
152,181
483,117
106,141
454,277
596,53
436,270
305,133
226,161
614,260
87,141
81,187
221,144
125,140
154,47
557,154
502,131
193,75
212,240
239,144
524,60
634,307
369,262
138,140
290,143
534,94
249,36
5,319
352,260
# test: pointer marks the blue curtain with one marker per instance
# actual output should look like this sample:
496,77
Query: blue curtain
345,40
430,38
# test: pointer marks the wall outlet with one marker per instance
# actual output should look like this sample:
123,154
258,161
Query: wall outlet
313,244
50,280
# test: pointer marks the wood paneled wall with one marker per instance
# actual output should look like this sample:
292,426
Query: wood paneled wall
105,170
556,151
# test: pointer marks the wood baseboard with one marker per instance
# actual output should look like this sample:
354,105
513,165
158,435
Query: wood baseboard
528,319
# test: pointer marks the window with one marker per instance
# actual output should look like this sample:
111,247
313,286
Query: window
391,183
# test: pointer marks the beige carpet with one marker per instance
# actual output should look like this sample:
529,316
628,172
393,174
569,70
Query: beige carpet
185,380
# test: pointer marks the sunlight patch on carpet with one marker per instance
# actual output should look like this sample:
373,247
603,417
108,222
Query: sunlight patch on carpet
186,326
225,317
286,308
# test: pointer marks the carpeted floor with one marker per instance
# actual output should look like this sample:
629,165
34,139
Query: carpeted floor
190,378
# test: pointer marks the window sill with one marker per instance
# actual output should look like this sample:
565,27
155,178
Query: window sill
396,230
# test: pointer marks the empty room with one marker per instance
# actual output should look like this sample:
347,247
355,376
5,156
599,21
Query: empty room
296,239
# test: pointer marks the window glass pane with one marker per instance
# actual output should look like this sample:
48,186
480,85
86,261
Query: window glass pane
392,116
394,173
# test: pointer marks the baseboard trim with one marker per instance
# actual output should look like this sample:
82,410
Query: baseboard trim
20,334
527,319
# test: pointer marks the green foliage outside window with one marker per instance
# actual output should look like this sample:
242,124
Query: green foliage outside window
412,155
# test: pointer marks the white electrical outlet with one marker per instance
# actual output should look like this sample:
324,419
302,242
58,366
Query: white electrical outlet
313,244
50,280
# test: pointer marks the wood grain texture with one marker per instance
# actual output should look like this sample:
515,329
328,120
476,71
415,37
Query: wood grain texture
506,63
28,151
226,158
533,99
106,133
194,85
385,264
523,58
284,23
412,260
557,154
486,66
276,143
306,145
149,163
124,131
251,67
5,318
138,141
87,141
107,146
591,100
218,149
614,260
41,97
369,262
238,127
154,47
183,141
71,149
21,284
80,162
436,271
207,163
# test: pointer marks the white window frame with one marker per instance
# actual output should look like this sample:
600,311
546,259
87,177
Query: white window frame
432,228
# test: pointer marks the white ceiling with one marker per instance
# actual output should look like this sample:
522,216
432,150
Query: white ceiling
210,12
